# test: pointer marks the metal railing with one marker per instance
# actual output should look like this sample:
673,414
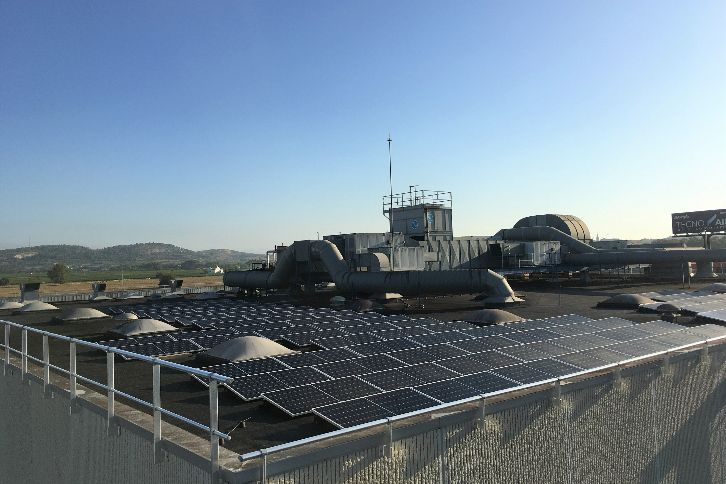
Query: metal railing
213,379
482,403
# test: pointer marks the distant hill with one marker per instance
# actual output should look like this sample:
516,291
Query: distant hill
148,255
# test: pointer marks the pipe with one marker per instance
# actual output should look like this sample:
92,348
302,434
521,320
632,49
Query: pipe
544,233
583,254
403,282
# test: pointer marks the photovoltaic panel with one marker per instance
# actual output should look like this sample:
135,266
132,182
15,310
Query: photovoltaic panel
573,329
609,323
426,354
227,369
260,365
606,354
402,401
583,360
352,413
363,338
251,387
523,374
658,327
474,345
390,379
378,362
638,348
565,320
384,346
146,349
347,388
300,359
554,367
464,365
708,331
438,338
447,391
333,342
300,400
680,338
402,332
495,359
585,341
524,353
336,354
300,376
428,372
550,348
532,336
177,347
486,382
340,369
715,315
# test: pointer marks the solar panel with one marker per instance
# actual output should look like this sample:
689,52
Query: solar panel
333,342
300,359
658,327
227,369
352,413
523,374
424,355
573,329
378,362
428,372
464,365
447,391
300,400
146,349
680,338
607,355
390,379
708,331
402,401
251,387
554,367
384,346
609,323
524,353
337,354
532,336
549,348
495,359
177,347
260,365
300,376
437,338
585,341
486,382
340,369
583,360
347,388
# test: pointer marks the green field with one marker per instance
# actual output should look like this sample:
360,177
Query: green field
91,276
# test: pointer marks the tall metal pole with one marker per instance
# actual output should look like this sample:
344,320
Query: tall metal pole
390,208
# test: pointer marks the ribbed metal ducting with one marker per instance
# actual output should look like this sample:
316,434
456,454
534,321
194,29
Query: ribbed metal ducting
568,224
403,282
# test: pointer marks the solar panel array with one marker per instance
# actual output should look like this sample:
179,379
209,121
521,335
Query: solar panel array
360,367
699,303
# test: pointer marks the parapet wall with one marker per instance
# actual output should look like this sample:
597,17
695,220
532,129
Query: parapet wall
41,440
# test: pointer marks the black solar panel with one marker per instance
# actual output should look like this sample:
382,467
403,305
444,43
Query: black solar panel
429,353
549,348
300,359
428,372
260,365
447,391
337,354
300,376
438,338
300,400
464,365
486,382
532,336
680,338
402,401
352,413
609,323
251,387
227,369
605,354
573,329
378,362
523,374
582,360
524,353
384,346
340,369
390,379
347,388
554,367
495,359
176,347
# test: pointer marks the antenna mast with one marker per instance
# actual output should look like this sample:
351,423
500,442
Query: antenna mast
390,208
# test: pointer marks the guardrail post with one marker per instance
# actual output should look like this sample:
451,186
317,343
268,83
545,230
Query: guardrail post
557,392
111,384
388,446
482,413
213,427
263,477
24,354
73,389
157,412
46,363
7,349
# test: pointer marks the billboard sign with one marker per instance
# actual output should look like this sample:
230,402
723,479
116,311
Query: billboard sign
699,222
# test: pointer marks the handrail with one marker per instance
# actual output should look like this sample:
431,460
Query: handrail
213,379
665,354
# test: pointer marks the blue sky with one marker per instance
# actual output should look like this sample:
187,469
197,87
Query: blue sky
243,124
